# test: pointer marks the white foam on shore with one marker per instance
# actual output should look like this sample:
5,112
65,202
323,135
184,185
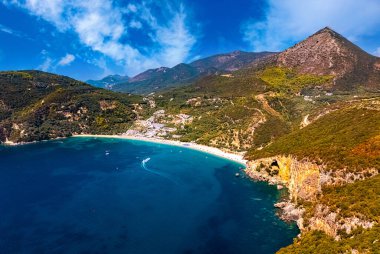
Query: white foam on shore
206,149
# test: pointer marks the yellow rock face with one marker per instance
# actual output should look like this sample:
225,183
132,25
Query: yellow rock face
304,181
301,177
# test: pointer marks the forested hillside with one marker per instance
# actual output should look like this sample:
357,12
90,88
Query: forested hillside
36,106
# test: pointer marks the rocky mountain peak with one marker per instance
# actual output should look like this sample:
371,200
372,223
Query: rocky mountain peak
328,53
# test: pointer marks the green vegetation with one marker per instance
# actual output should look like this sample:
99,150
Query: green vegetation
287,80
37,105
220,124
337,139
358,199
364,241
243,110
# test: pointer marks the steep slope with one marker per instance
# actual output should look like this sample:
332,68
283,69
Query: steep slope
343,146
36,105
329,53
348,137
108,82
155,80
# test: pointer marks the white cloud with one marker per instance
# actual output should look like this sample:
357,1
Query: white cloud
175,39
292,20
101,26
46,65
132,8
135,24
50,64
66,60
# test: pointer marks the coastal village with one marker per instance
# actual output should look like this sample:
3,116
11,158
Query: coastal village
156,126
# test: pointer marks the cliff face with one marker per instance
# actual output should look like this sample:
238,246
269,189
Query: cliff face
301,177
304,180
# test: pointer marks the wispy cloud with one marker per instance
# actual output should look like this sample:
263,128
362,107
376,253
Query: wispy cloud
66,60
50,63
13,32
103,26
293,20
6,29
174,38
46,65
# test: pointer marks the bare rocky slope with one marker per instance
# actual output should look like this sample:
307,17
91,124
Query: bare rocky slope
328,53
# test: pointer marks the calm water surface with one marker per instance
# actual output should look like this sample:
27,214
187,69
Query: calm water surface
92,195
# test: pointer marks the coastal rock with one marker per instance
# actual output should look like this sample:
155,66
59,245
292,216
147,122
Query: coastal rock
301,177
332,223
290,212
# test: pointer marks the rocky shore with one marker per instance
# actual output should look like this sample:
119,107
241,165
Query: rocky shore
304,180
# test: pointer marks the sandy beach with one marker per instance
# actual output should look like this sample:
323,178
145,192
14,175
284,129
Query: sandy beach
207,149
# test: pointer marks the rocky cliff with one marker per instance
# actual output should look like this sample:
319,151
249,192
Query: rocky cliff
302,178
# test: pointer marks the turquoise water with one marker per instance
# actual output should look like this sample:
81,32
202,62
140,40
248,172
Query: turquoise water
92,195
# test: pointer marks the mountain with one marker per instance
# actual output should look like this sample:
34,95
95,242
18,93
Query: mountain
328,53
324,53
229,62
158,79
108,82
35,105
155,80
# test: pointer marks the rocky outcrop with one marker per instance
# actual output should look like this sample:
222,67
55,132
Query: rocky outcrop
333,224
304,180
290,212
344,176
301,177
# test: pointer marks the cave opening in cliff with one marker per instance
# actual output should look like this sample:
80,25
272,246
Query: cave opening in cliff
274,164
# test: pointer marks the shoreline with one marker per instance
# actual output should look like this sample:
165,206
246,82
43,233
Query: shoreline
201,148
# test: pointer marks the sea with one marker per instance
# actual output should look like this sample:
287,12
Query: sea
109,195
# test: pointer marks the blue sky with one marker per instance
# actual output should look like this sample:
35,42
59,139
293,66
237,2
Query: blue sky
91,39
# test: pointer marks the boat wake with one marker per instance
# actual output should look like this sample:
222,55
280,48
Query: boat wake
166,176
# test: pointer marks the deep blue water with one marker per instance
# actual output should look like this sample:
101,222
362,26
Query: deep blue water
87,195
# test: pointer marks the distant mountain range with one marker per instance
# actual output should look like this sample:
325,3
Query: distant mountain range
324,53
158,79
109,81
